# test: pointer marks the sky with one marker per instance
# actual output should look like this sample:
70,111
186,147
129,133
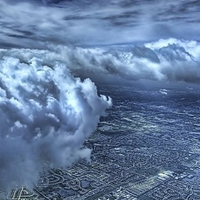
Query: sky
33,23
53,53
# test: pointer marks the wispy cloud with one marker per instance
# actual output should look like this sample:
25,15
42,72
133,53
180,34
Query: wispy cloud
100,22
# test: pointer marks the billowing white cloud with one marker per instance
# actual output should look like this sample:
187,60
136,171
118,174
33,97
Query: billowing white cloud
170,60
45,115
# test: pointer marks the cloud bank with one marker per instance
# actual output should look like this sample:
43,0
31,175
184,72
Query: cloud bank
167,60
45,116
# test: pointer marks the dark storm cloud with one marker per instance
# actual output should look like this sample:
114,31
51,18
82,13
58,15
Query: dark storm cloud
96,22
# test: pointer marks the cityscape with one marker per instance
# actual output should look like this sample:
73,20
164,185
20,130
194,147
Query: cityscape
139,152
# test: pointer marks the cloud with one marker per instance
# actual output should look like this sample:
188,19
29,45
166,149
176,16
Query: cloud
168,60
179,59
91,23
45,115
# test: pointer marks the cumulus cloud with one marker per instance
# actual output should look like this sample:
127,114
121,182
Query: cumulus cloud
170,60
45,115
179,59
